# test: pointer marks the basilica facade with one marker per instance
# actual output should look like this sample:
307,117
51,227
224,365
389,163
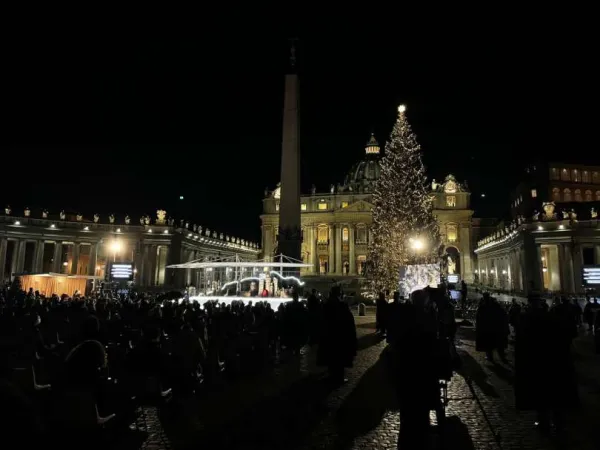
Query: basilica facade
336,225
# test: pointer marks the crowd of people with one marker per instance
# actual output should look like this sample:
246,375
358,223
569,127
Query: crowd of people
75,366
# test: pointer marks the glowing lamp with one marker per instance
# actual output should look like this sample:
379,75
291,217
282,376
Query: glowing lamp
115,246
17,223
561,227
401,109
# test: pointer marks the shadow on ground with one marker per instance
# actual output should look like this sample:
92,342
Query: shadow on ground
454,435
369,340
470,369
363,410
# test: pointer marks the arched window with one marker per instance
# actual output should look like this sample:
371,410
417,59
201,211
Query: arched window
575,176
585,177
323,234
346,267
598,196
595,177
451,232
345,234
578,195
554,174
565,175
588,196
567,195
361,234
556,194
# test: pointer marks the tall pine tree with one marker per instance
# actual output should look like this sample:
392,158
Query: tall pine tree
402,212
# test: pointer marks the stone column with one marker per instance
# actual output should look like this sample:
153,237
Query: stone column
20,249
577,269
153,257
56,265
3,245
92,261
75,258
338,250
313,249
143,269
38,261
352,254
331,264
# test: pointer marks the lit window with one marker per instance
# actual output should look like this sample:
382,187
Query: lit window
588,196
578,195
533,193
450,201
344,204
322,206
598,196
554,175
595,177
323,263
345,234
556,194
361,262
322,233
277,206
564,175
575,176
567,195
303,207
585,176
451,232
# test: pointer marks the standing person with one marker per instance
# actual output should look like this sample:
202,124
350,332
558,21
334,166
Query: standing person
544,370
514,312
381,314
464,296
338,344
414,353
491,328
314,317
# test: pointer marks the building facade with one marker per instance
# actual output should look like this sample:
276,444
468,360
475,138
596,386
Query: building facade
74,246
553,236
336,225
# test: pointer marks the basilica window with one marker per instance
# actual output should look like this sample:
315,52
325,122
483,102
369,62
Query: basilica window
346,267
554,174
277,206
598,196
578,195
302,206
451,232
344,204
585,177
556,194
451,201
567,195
322,234
588,196
322,206
361,234
565,175
575,176
533,193
323,263
345,234
595,177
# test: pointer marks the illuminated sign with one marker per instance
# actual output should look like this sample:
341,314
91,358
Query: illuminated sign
121,272
591,275
453,278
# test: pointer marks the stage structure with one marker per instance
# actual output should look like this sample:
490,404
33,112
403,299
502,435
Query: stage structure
233,278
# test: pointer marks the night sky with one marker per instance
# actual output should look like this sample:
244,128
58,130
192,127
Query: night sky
127,121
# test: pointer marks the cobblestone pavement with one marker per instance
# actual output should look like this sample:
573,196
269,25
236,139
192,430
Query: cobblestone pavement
292,408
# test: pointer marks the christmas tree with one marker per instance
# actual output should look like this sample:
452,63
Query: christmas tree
404,229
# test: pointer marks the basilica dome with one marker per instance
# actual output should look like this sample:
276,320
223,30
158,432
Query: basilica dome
363,174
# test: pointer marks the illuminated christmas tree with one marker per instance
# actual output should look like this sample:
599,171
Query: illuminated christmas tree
404,229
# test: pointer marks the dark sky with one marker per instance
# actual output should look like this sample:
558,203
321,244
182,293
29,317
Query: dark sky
121,120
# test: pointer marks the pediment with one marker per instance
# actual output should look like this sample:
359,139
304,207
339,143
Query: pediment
359,206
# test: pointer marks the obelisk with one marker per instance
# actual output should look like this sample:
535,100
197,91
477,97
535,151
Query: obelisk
290,235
